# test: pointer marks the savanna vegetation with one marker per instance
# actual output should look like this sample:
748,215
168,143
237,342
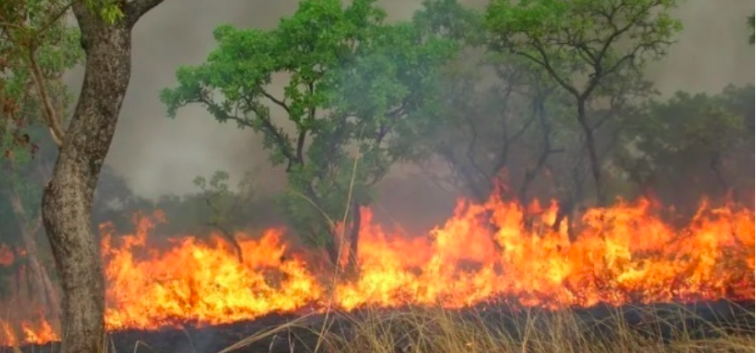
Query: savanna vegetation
548,97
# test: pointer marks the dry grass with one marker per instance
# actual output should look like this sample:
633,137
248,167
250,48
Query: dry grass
443,331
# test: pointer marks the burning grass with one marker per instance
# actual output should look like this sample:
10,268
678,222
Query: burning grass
624,254
721,326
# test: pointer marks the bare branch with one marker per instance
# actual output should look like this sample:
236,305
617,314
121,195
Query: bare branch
280,103
546,64
546,151
282,141
53,122
470,151
226,233
11,25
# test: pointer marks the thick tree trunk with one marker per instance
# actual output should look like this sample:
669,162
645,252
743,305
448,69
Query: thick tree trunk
67,199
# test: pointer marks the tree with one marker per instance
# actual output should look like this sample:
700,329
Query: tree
583,43
354,83
34,52
20,191
105,35
702,139
226,208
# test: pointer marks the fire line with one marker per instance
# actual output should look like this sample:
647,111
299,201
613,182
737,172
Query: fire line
622,254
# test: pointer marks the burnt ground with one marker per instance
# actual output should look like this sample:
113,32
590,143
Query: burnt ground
699,320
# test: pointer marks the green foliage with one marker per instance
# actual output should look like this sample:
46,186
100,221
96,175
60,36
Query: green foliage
354,83
32,36
592,38
217,207
226,209
51,43
594,50
450,19
701,139
54,46
751,24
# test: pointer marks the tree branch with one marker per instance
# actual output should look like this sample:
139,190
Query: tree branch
226,233
280,103
282,142
549,68
53,122
302,127
10,25
470,151
135,9
51,21
531,174
598,69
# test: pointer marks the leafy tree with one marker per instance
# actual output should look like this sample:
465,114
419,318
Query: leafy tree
225,207
105,35
451,20
701,139
582,44
34,52
354,83
751,23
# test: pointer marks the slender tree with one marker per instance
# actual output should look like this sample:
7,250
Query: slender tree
355,83
581,44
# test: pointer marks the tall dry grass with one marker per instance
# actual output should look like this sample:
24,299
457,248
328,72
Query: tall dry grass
443,331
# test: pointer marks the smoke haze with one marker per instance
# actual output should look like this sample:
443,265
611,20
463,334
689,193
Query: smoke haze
158,155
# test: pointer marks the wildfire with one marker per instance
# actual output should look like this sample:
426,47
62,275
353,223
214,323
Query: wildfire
6,255
621,254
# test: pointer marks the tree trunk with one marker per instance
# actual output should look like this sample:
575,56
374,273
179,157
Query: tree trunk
565,213
332,249
592,154
354,240
42,282
67,198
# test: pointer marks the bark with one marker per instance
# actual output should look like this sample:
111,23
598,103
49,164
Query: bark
67,198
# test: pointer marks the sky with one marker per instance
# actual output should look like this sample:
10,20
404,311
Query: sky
158,155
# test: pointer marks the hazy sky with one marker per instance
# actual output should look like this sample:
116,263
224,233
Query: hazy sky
159,155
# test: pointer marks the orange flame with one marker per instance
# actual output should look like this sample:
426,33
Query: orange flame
6,255
621,254
38,331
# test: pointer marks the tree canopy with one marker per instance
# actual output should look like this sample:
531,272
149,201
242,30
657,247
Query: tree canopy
357,88
593,49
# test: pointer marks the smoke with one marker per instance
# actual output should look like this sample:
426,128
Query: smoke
158,155
712,51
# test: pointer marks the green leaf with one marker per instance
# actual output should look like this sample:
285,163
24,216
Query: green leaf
353,80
